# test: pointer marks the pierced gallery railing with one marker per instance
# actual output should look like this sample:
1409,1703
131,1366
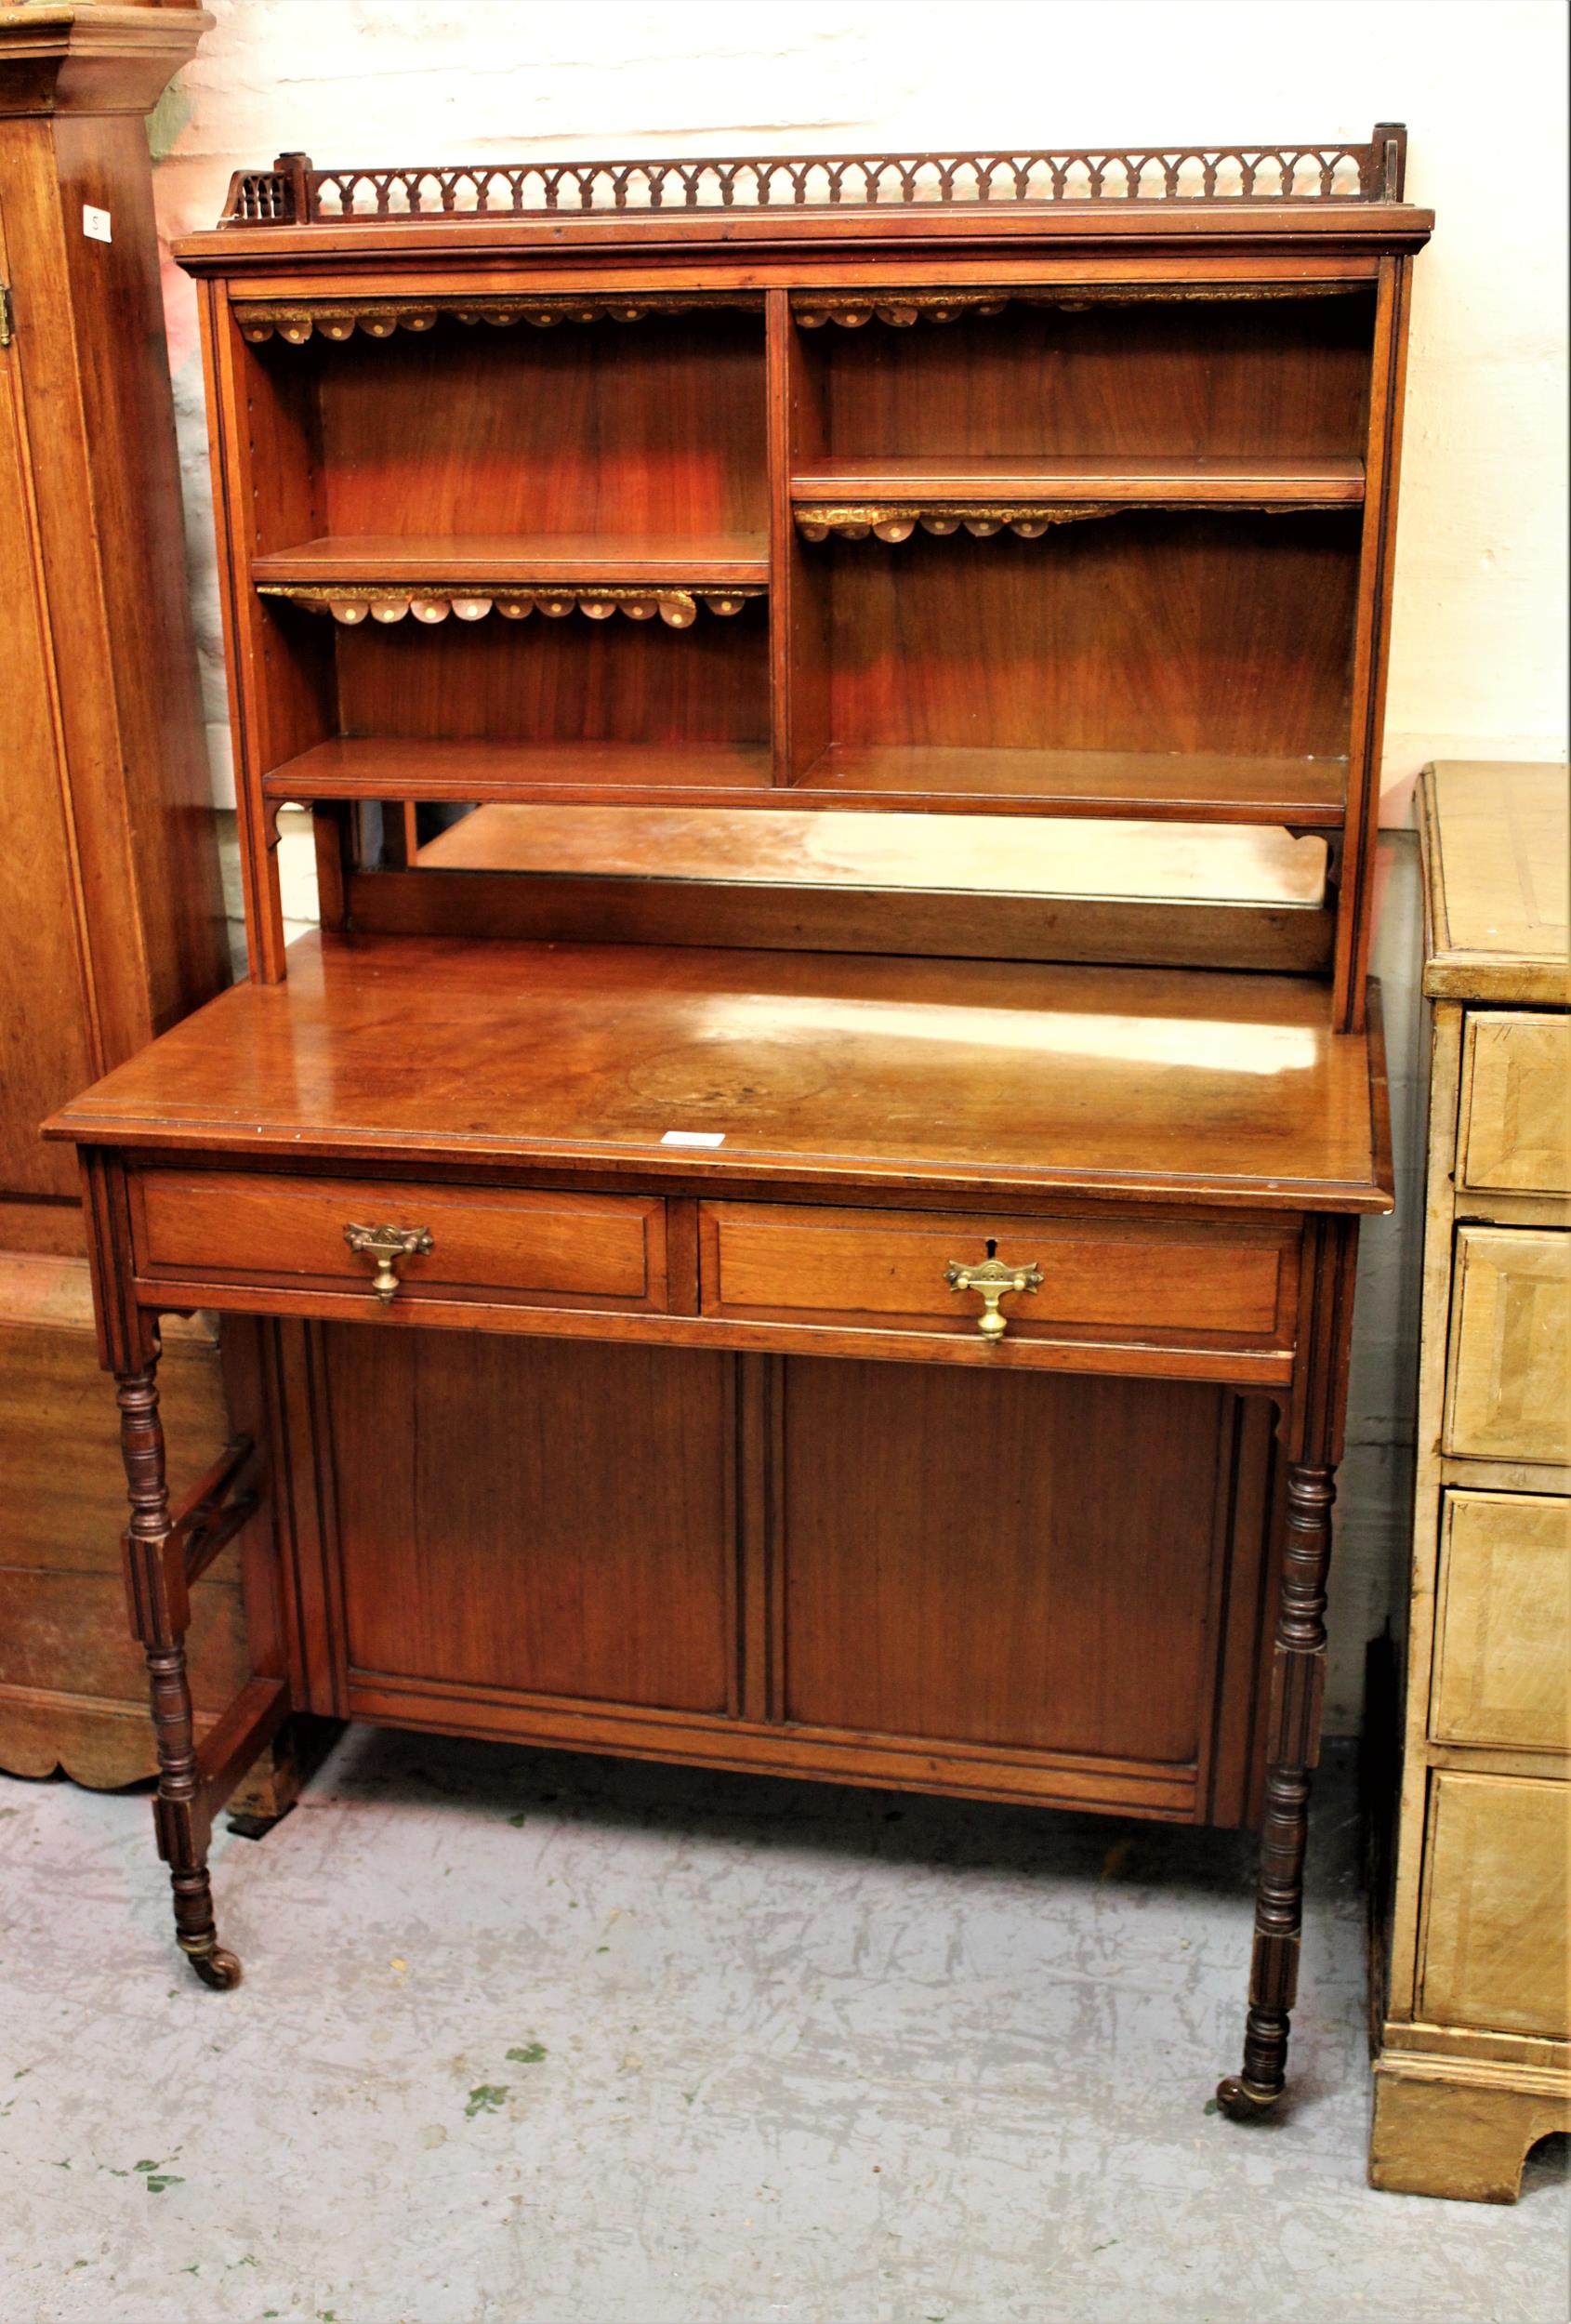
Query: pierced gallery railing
293,193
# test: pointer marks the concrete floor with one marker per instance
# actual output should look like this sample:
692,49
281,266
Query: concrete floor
559,2040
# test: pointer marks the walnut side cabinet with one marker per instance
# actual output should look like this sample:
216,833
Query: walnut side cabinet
813,1227
1476,2054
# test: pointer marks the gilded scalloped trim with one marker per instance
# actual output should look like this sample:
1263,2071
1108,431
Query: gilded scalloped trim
299,320
851,309
431,602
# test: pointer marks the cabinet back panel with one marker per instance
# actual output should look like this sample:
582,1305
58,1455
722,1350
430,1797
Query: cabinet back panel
648,427
542,1515
1144,631
1282,376
558,681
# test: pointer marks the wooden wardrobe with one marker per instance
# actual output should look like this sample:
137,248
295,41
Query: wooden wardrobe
111,915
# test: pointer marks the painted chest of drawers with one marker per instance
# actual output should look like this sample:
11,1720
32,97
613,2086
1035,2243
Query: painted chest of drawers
1474,2064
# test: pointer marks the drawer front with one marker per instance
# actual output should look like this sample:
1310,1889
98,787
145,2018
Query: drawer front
1515,1134
1496,1908
888,1271
544,1249
1502,1648
1510,1346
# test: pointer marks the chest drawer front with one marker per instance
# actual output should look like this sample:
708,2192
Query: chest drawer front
550,1249
1496,1911
1516,1129
1502,1649
1510,1346
888,1270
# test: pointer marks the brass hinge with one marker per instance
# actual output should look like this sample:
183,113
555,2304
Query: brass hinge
5,317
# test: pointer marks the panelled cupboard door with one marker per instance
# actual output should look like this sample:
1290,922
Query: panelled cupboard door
544,1517
1510,1346
1515,1134
1502,1647
45,1052
1496,1911
976,1558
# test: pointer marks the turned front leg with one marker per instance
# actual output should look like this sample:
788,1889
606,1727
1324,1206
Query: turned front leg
1298,1687
160,1602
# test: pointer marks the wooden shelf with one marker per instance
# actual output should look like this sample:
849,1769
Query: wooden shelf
473,773
1158,786
1202,479
1179,786
483,560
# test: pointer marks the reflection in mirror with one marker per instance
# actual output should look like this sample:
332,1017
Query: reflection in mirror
975,855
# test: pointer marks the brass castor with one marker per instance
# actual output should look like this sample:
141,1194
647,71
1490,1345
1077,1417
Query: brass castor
1243,2102
216,1968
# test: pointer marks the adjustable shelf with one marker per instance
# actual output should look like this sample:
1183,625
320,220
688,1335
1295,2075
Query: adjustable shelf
471,773
1154,786
384,577
891,496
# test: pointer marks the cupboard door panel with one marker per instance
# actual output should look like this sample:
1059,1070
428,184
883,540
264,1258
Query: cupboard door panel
987,1559
552,1518
1502,1649
1496,1907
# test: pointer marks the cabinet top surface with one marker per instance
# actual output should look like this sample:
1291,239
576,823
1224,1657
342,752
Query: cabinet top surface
1188,1086
1495,839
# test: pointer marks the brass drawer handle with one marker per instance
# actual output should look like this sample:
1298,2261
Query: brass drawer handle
995,1281
386,1246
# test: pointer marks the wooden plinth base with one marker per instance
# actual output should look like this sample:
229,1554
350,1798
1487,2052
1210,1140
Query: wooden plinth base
1457,2128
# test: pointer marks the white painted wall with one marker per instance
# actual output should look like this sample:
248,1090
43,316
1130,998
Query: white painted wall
1478,645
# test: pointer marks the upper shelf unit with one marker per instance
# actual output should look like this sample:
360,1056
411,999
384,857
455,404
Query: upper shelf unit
1051,484
456,463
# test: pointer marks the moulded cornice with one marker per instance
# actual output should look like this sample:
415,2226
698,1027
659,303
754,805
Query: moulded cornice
78,57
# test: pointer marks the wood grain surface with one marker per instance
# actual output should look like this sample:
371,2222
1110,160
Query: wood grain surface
1113,1082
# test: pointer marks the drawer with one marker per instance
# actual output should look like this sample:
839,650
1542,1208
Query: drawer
1515,1126
1496,1911
541,1250
1502,1646
1510,1346
888,1270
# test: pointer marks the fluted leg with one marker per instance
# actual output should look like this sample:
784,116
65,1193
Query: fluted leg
1297,1690
161,1615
